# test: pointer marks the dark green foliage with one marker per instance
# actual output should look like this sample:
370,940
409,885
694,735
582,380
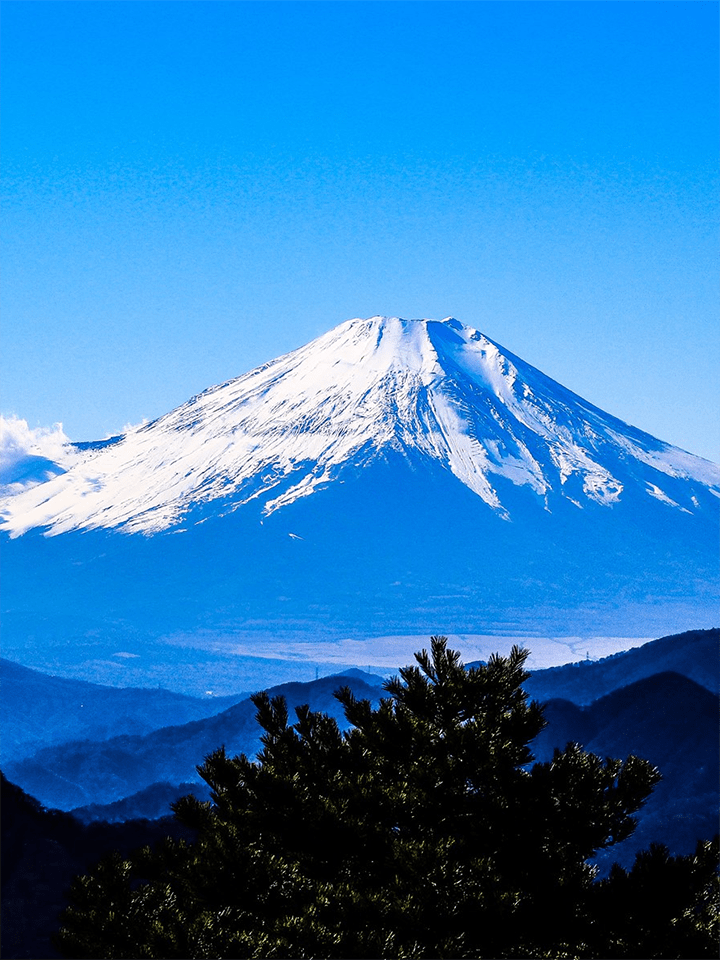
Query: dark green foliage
423,831
644,905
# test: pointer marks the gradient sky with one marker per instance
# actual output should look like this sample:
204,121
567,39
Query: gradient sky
192,188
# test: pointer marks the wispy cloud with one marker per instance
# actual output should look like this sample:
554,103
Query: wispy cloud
18,440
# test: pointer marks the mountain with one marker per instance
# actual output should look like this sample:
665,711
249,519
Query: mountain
694,654
391,478
665,718
88,772
38,710
669,720
152,803
434,389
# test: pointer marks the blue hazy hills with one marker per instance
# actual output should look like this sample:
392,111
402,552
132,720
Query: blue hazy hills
659,701
38,710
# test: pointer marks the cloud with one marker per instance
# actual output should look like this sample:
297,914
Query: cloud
132,427
18,440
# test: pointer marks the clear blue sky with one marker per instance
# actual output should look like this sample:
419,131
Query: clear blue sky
192,188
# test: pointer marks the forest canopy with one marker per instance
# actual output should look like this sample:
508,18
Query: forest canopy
423,830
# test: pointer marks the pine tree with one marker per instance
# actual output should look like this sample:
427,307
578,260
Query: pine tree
425,830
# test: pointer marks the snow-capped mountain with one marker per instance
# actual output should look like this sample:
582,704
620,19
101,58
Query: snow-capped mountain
426,390
390,480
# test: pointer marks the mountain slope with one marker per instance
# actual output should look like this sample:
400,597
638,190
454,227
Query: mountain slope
391,479
152,803
694,654
670,721
433,389
42,852
86,772
37,710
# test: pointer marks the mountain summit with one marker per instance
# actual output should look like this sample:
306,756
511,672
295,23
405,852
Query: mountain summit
391,479
424,390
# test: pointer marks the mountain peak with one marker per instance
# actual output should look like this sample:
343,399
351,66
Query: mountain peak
426,390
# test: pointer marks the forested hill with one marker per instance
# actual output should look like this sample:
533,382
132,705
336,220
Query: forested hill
84,772
669,720
42,850
694,654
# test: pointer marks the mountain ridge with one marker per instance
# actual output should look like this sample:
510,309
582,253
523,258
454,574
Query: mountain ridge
694,654
423,388
391,479
118,766
666,718
82,772
38,709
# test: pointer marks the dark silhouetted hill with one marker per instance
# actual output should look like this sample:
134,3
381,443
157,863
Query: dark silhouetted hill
42,850
669,720
694,654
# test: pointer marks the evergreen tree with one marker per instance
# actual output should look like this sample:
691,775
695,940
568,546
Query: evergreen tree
425,830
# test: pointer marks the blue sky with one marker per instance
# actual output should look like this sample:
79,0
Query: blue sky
192,188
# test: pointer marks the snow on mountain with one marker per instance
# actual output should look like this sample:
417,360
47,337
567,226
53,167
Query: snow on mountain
431,390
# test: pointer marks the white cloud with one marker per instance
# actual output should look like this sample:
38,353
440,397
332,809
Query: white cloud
131,427
18,440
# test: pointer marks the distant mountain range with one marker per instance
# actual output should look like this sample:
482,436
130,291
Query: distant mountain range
694,654
37,710
151,803
641,701
83,772
393,477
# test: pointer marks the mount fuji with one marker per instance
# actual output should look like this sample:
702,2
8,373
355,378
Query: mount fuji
393,477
